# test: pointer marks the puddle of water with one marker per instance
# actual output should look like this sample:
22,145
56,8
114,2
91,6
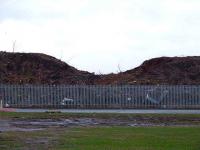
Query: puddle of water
41,124
48,122
145,125
19,129
5,125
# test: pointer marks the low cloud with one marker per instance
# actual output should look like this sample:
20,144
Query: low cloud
98,35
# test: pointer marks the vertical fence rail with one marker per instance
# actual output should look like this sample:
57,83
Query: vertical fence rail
100,97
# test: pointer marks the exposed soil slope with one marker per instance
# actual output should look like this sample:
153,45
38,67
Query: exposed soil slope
35,68
163,70
38,68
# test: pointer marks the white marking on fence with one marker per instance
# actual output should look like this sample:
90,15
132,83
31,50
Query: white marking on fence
1,104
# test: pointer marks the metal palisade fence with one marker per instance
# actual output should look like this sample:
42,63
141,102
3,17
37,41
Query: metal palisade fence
101,97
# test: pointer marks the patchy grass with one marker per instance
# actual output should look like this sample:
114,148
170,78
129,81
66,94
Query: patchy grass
128,138
47,115
104,138
191,119
38,140
9,141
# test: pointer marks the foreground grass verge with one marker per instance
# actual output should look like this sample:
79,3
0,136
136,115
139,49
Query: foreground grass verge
37,140
127,138
105,138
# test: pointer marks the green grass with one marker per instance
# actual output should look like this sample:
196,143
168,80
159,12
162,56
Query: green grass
128,138
105,138
9,141
38,140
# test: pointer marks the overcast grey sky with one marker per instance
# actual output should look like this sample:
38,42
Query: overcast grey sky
97,35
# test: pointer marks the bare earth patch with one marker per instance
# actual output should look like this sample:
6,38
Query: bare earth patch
46,130
27,124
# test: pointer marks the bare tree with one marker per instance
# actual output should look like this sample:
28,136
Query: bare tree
119,69
14,46
100,73
61,54
70,59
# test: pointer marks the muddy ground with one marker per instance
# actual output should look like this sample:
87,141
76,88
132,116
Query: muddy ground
35,131
35,124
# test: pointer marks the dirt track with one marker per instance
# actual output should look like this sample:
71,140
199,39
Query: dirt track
26,124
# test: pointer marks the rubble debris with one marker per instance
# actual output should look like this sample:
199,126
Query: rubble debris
36,68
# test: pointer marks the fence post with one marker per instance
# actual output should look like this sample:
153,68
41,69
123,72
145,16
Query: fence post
1,104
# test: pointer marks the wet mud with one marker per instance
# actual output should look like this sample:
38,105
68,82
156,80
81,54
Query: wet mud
41,124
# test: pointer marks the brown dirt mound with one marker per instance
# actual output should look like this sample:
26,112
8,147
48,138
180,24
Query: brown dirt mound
29,68
163,70
36,68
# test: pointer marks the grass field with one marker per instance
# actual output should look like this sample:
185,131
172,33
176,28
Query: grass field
106,138
121,138
102,137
